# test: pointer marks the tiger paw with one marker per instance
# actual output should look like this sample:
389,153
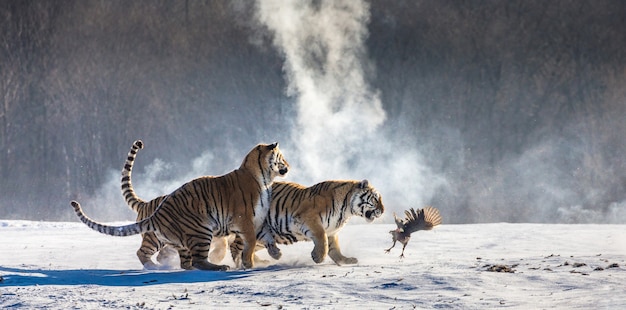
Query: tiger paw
186,265
274,251
349,260
247,264
206,265
318,256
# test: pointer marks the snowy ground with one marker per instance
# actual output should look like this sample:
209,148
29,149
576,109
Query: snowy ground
67,266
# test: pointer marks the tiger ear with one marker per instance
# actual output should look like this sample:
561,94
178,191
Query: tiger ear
364,184
273,145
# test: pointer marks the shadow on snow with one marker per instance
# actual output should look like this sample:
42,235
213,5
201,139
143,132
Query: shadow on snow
26,277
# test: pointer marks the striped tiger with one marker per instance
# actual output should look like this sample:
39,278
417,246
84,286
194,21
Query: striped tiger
191,216
317,213
150,244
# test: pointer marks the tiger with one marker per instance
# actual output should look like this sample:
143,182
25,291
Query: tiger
150,244
317,213
211,206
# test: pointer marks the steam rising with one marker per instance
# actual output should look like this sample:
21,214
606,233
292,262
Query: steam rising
323,49
338,133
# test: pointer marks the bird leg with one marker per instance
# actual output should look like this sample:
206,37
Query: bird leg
389,249
402,254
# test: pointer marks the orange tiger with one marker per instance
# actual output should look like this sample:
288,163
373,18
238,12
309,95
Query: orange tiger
317,213
191,216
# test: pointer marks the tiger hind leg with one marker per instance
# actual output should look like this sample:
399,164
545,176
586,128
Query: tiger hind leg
149,245
199,251
185,259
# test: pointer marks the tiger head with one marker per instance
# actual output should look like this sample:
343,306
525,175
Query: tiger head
267,158
367,202
276,161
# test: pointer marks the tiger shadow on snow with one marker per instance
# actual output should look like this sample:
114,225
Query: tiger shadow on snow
107,277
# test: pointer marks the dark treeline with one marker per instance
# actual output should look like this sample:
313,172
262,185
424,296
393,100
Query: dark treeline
498,96
83,79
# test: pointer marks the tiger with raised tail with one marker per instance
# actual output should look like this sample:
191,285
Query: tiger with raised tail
191,216
150,244
316,213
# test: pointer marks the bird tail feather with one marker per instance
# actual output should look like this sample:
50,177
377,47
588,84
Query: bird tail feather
432,217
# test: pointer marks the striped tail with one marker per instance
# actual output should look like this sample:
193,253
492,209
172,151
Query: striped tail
132,200
126,230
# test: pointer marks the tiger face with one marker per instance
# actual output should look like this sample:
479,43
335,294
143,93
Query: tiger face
277,163
367,202
267,158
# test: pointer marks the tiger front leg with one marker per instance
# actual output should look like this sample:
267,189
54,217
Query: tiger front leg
206,265
248,239
335,252
273,251
247,255
318,235
236,247
149,246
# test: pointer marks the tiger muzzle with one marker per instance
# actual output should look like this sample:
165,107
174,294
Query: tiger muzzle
373,214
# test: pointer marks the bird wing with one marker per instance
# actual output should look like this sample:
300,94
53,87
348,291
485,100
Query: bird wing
422,219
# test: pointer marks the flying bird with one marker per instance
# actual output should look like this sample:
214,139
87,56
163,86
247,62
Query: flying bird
423,219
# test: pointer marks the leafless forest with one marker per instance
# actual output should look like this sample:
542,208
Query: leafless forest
520,105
